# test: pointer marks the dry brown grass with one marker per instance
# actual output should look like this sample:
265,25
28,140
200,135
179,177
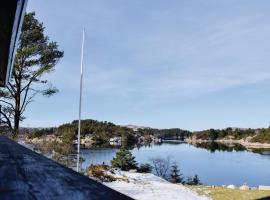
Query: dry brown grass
220,193
99,172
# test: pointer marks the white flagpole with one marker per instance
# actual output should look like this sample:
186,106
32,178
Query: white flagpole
80,106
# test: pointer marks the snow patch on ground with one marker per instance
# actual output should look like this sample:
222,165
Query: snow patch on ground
148,186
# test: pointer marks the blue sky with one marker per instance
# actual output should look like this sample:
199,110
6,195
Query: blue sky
193,64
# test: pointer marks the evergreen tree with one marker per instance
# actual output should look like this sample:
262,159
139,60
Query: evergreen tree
128,138
189,180
175,175
124,160
193,180
36,57
196,180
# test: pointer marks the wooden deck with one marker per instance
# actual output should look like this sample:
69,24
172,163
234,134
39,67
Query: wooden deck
25,174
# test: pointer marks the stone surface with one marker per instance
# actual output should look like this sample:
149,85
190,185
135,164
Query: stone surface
25,174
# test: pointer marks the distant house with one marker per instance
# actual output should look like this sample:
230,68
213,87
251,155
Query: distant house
115,141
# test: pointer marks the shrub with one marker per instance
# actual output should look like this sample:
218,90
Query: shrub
175,175
263,136
40,132
145,168
99,172
193,180
161,166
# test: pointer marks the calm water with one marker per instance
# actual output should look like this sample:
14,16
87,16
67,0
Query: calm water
214,166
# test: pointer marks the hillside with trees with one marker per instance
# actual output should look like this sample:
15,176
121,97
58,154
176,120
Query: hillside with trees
252,135
166,134
262,137
101,132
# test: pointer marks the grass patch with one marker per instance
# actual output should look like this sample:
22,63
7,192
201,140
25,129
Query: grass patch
220,193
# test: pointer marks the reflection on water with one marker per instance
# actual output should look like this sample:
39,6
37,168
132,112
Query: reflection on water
216,164
214,146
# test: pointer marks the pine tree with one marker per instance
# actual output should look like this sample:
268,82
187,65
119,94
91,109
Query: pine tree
189,180
193,180
124,160
196,180
175,175
36,57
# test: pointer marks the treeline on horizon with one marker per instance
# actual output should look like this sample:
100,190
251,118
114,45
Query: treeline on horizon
254,135
102,131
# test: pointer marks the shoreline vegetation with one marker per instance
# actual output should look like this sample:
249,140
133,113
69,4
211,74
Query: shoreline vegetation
248,138
106,134
230,142
60,142
98,134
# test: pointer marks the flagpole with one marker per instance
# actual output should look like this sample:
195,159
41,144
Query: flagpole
80,105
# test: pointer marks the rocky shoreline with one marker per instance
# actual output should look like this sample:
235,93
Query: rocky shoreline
88,142
245,143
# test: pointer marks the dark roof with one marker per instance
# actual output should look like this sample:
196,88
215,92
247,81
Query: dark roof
26,175
11,17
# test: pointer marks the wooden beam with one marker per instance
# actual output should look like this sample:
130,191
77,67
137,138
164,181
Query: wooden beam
11,18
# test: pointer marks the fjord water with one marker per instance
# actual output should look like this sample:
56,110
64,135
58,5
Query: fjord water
216,167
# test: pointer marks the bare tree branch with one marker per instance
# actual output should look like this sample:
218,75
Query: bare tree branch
11,90
7,120
10,104
161,166
26,102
